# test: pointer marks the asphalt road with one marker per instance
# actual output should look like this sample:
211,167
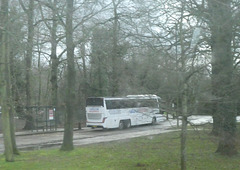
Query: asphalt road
30,140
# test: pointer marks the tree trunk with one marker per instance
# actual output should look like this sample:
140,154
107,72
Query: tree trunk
10,103
55,62
184,96
100,77
83,87
54,59
6,127
83,55
39,78
184,129
216,129
227,141
29,52
222,70
115,54
12,112
4,80
183,143
30,13
12,129
70,96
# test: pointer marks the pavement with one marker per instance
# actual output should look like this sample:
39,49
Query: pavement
35,132
32,140
29,140
196,120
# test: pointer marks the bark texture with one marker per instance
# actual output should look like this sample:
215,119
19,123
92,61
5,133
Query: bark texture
70,91
224,115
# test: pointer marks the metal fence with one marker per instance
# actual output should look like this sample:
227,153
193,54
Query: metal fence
43,117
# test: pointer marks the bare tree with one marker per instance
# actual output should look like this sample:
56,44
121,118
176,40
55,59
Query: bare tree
52,27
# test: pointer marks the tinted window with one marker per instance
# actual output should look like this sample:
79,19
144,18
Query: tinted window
130,103
113,104
94,102
149,103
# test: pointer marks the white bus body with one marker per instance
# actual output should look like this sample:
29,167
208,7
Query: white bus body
104,112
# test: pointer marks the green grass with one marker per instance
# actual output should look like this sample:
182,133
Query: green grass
152,152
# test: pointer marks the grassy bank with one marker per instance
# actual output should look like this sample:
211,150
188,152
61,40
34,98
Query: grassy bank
152,152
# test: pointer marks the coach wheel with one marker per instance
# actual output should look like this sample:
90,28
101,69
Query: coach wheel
121,125
154,120
127,124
